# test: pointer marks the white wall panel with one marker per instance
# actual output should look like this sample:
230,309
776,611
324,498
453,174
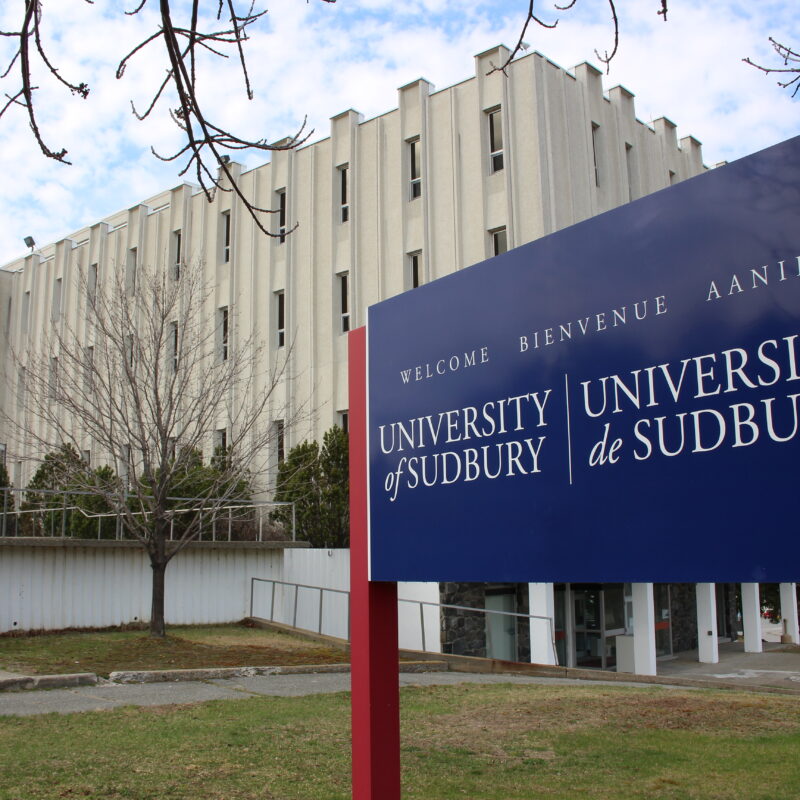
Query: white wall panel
53,587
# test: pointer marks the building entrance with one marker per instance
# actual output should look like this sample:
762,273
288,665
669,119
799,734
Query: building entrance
589,617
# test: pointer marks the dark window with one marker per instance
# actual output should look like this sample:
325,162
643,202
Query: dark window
176,262
226,236
343,188
280,300
344,293
499,241
130,274
595,148
415,168
223,333
220,441
173,328
495,140
414,269
282,216
280,440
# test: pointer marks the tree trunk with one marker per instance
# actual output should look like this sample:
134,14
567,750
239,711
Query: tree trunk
158,563
157,626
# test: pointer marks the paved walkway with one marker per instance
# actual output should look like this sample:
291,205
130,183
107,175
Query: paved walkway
778,666
96,698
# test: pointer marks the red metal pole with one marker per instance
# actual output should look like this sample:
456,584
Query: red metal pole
375,695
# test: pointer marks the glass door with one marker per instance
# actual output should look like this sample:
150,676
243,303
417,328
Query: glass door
587,604
501,629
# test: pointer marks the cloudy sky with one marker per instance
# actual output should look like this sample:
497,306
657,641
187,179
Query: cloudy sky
315,59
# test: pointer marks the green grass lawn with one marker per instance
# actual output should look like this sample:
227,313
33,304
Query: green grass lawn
487,742
184,648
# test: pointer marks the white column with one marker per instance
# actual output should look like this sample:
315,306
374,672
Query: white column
751,618
707,646
644,629
789,611
541,602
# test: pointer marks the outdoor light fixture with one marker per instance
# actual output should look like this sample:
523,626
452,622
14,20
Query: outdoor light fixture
29,242
225,159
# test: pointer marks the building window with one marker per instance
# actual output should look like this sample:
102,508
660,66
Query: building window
223,332
280,441
344,421
57,290
129,350
415,168
220,441
344,300
413,269
91,285
495,139
282,215
53,378
172,448
630,167
88,369
280,316
22,378
344,200
226,236
125,466
173,343
595,149
86,457
499,241
177,254
130,273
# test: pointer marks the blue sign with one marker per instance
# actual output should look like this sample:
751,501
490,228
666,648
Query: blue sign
615,402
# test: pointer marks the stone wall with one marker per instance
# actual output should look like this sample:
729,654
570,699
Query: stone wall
464,633
683,613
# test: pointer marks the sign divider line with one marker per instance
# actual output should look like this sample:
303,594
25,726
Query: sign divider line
569,431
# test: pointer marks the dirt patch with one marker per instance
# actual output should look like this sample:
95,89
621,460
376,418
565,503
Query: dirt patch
484,718
186,648
178,653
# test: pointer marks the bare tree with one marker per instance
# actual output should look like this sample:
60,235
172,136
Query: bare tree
151,382
182,42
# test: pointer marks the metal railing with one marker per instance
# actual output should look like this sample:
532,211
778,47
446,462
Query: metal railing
53,519
297,587
321,590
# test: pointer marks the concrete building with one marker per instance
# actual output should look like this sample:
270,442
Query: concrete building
447,179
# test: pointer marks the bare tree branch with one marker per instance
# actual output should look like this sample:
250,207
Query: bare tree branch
531,16
205,142
791,66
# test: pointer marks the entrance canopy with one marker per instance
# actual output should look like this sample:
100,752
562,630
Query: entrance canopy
615,402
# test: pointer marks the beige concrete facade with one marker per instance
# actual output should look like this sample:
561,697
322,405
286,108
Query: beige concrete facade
431,187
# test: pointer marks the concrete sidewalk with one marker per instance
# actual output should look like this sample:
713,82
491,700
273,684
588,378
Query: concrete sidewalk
777,669
778,666
106,695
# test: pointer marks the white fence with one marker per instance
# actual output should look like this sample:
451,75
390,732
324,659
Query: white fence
50,584
56,584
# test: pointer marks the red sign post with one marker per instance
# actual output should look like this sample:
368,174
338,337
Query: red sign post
375,695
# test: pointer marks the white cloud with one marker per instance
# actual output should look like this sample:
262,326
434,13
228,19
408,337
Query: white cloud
320,59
